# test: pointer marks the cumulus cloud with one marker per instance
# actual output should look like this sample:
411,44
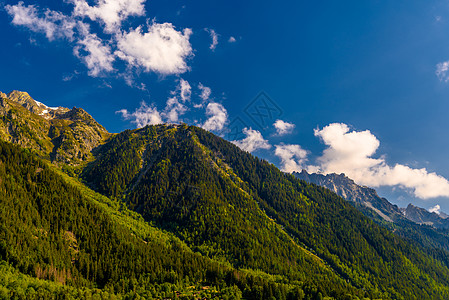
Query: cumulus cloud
442,69
161,49
214,37
283,128
51,23
253,141
292,157
111,13
218,116
351,152
232,39
142,116
435,209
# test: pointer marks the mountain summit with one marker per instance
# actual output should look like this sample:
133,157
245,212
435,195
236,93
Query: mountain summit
60,134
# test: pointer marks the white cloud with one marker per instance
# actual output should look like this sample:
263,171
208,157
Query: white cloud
351,152
111,13
214,37
205,92
175,106
442,69
162,49
435,209
292,157
253,141
185,90
232,39
143,116
173,110
98,57
218,116
283,128
52,24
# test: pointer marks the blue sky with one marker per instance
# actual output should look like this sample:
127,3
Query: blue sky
363,83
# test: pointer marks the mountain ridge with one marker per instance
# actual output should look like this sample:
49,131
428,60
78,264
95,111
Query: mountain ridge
237,222
349,190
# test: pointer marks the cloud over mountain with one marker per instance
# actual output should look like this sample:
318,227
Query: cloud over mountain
293,157
351,152
253,141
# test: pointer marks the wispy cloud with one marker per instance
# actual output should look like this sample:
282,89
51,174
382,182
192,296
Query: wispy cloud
142,116
110,13
96,55
441,72
52,24
435,209
214,37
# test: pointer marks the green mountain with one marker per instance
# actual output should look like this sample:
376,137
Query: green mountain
173,211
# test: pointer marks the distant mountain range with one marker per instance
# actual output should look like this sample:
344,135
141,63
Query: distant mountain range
365,196
174,212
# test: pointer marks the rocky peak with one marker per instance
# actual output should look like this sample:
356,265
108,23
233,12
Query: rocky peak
422,216
346,188
36,107
58,133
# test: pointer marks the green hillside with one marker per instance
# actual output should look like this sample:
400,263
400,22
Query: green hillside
231,206
58,239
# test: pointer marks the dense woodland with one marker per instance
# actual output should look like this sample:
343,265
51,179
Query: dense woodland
167,212
77,246
201,188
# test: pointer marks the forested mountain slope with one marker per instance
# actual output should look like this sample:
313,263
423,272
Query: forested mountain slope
229,205
55,229
417,225
180,212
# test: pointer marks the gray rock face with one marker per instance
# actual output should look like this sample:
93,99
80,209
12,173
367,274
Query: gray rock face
422,216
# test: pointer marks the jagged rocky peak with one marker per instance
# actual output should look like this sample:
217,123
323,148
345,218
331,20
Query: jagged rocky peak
349,190
423,216
340,184
36,107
